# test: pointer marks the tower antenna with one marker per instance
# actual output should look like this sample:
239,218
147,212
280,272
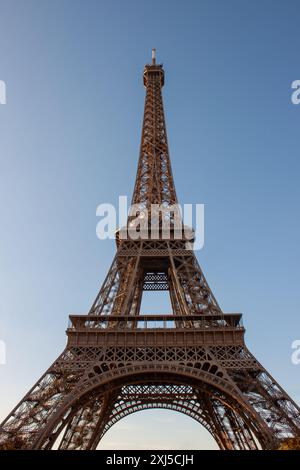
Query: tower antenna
153,56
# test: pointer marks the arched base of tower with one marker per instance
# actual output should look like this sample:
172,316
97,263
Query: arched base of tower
93,413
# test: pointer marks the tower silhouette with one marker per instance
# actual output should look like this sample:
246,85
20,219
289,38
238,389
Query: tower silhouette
118,361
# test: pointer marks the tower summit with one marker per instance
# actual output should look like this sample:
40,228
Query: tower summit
154,180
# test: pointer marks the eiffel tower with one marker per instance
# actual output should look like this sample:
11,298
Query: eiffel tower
118,361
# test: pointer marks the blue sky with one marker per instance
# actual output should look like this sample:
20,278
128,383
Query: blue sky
69,140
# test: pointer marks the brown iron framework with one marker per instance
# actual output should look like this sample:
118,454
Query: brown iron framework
119,361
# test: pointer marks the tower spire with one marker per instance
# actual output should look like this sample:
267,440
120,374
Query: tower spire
154,180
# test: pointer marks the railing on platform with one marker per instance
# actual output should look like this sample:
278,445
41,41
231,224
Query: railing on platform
165,321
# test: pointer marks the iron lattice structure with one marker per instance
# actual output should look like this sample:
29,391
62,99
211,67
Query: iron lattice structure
118,361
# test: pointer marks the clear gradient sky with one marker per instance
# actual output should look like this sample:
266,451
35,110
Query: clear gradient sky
69,140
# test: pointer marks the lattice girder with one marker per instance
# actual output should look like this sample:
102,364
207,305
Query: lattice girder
95,366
